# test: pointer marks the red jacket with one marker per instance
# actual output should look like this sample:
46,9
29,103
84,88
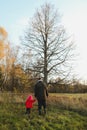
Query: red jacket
29,102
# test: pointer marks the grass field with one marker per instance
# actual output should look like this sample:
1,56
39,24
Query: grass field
64,112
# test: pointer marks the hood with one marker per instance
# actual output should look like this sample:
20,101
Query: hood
30,97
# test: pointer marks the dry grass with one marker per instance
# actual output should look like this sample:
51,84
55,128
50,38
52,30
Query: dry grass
75,102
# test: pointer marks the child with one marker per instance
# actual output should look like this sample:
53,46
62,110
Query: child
29,104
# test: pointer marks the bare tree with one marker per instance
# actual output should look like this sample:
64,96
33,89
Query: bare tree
51,47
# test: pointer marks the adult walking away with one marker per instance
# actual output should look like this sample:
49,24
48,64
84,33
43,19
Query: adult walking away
41,93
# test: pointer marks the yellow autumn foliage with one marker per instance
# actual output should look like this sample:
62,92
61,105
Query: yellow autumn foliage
3,38
3,33
1,50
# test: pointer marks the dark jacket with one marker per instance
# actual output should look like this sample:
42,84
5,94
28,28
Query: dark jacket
40,90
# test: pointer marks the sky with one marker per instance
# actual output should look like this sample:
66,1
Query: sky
15,15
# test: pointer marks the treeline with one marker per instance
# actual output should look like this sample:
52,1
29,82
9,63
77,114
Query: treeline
67,88
19,80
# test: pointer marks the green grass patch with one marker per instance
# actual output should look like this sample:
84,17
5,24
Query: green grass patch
13,117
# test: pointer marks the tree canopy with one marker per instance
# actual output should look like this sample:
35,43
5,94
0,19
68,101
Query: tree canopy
51,48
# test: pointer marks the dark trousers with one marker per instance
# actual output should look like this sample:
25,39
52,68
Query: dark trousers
28,110
41,103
